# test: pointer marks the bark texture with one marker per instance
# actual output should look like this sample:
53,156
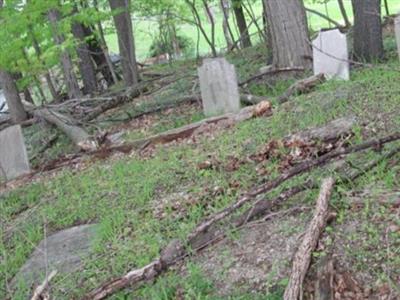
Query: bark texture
86,65
69,76
368,41
241,23
289,33
126,43
302,259
15,107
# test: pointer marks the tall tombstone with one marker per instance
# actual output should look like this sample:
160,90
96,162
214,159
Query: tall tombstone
13,157
219,87
397,32
331,55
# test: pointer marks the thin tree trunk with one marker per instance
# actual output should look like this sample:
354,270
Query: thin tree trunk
289,33
250,12
241,23
85,62
14,103
344,13
224,4
106,67
387,7
123,24
212,22
69,76
47,76
200,27
368,40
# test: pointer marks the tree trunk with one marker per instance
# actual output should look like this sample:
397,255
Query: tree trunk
86,65
47,76
241,23
289,33
69,76
126,43
14,103
100,54
368,40
387,7
224,4
344,13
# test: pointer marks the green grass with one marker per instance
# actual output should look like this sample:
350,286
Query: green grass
121,195
146,30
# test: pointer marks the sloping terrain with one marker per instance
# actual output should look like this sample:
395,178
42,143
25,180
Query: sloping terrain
141,201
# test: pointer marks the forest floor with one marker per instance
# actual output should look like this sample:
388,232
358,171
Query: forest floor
142,200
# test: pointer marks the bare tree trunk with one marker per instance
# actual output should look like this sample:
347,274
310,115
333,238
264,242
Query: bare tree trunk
289,33
224,4
368,40
212,21
386,7
69,76
47,76
241,23
344,13
14,103
200,26
100,53
86,65
250,12
123,24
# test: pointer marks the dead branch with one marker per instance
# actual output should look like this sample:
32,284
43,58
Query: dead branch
302,258
302,86
66,124
270,71
188,130
251,99
330,20
178,251
37,295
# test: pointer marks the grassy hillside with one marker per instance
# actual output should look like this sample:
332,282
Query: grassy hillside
141,202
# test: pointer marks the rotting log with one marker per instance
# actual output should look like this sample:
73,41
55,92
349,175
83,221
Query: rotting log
177,250
302,86
302,258
66,124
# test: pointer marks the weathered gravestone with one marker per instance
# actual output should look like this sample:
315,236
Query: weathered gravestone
219,87
62,251
331,55
397,32
13,157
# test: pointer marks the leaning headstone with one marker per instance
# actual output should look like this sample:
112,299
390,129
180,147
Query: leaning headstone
62,251
397,32
13,157
219,87
331,55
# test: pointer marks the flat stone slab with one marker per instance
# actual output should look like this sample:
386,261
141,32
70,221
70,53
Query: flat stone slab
331,55
219,87
64,251
13,156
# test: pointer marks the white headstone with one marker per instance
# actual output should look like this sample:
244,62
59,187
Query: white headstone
331,55
397,32
13,157
219,87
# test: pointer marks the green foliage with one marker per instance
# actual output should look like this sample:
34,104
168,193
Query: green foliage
160,46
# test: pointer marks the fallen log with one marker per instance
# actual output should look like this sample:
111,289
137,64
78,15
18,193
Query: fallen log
302,258
177,249
66,124
302,86
188,130
251,99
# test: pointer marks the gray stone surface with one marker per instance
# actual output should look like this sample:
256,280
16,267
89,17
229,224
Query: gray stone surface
13,157
219,87
64,251
331,55
397,32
